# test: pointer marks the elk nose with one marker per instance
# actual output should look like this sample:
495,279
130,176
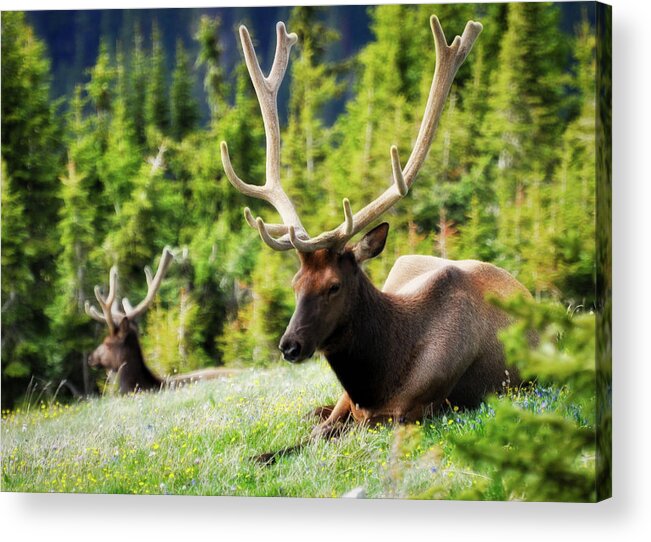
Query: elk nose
291,349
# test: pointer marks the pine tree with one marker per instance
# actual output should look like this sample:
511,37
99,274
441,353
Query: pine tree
376,119
102,76
574,184
145,223
184,108
210,57
521,124
170,335
15,271
17,279
223,241
255,333
31,157
242,128
157,114
85,148
537,267
476,234
121,158
82,224
223,261
138,74
71,329
313,85
450,175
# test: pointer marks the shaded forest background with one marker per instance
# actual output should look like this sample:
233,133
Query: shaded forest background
509,179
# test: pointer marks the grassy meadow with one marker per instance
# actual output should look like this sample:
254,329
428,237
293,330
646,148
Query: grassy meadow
199,440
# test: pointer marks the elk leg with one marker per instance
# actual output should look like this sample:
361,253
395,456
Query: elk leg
331,427
334,423
323,412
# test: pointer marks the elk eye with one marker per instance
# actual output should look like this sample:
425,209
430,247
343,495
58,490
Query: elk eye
334,288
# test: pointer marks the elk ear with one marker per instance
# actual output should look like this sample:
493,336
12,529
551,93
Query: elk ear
372,243
123,330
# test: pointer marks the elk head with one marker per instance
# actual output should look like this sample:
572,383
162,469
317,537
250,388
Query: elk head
116,348
329,283
120,350
326,287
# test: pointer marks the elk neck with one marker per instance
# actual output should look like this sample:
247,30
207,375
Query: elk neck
134,373
370,353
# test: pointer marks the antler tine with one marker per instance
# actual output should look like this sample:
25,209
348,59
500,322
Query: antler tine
153,284
92,312
105,303
334,239
266,89
448,60
265,235
245,188
148,276
272,229
398,179
285,42
126,305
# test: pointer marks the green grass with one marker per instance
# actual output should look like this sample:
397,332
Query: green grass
198,441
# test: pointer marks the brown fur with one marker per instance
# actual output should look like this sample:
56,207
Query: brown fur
121,354
428,337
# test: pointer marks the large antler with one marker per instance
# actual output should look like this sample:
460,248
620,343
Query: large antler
448,60
105,303
111,314
266,89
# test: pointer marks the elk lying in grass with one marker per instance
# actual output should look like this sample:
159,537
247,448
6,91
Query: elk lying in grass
429,335
120,352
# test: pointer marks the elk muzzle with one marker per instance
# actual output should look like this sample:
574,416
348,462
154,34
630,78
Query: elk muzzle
294,350
95,357
301,337
291,349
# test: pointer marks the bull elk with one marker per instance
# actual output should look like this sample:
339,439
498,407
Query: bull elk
120,352
429,335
